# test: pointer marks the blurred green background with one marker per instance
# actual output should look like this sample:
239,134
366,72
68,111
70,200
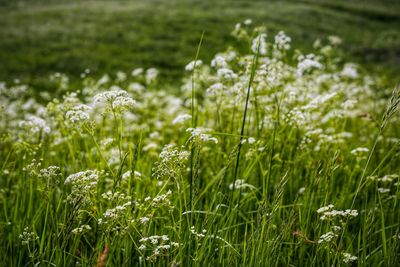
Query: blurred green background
40,37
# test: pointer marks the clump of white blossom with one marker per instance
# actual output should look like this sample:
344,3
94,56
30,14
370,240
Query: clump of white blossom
115,100
82,185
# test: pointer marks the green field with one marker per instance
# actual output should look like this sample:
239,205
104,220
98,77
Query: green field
38,38
253,145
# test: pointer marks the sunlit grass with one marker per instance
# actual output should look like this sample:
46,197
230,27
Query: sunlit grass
271,157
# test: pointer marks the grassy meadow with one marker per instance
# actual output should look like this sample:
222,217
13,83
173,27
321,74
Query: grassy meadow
199,133
41,37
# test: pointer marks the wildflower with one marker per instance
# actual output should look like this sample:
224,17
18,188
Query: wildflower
329,213
214,89
28,236
151,75
144,220
348,258
121,76
334,40
82,184
219,62
78,114
181,118
82,229
359,150
137,72
227,74
383,190
247,22
349,71
282,41
117,100
193,64
35,124
251,140
199,135
259,44
307,63
103,80
240,184
327,237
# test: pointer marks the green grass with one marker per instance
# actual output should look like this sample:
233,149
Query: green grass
237,165
38,38
114,178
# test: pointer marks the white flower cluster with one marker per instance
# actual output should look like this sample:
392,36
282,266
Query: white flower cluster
389,178
50,172
282,41
127,174
227,74
327,237
219,62
329,213
197,234
199,135
158,244
116,100
160,200
259,44
28,236
348,258
387,181
215,89
114,213
151,75
307,63
193,64
82,184
78,114
240,184
350,71
172,161
115,196
181,118
81,229
35,124
359,151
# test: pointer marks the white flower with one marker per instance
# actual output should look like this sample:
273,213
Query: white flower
307,63
199,135
251,140
247,22
144,220
35,124
214,89
259,44
136,72
79,113
349,71
227,74
193,64
82,229
348,258
282,41
383,190
181,118
121,76
327,237
359,150
219,62
334,40
151,75
116,99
